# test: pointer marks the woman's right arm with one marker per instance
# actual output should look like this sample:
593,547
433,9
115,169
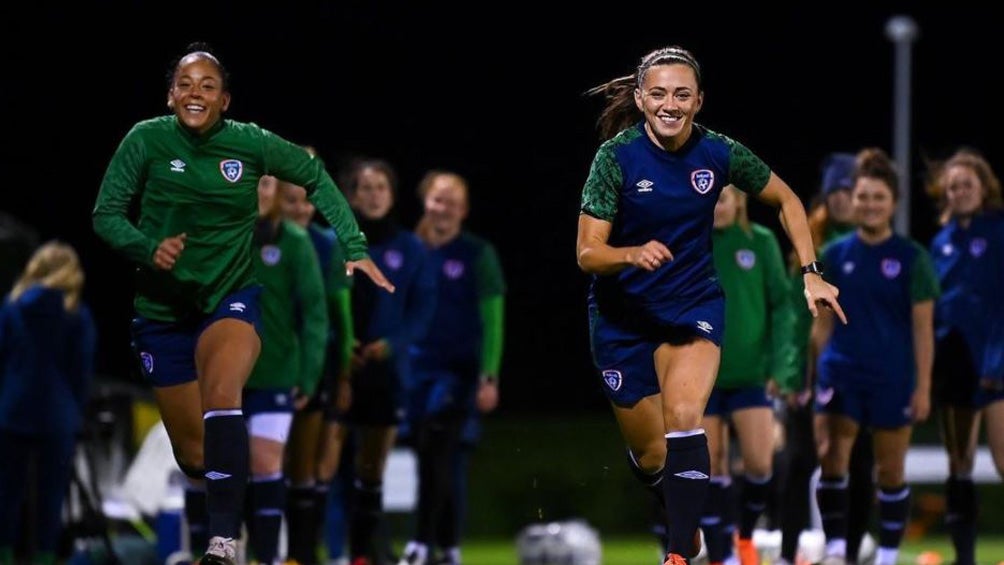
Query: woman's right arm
598,257
122,181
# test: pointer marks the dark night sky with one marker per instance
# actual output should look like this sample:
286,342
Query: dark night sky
492,90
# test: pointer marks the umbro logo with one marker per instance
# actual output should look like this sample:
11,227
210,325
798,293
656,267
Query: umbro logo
216,475
704,326
238,307
178,166
645,185
691,474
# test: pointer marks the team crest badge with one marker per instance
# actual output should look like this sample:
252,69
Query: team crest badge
453,269
613,379
977,246
702,180
947,249
745,258
891,268
232,169
147,360
394,259
270,255
824,395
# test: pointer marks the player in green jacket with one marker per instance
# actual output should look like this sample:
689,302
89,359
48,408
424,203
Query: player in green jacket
294,337
195,176
758,356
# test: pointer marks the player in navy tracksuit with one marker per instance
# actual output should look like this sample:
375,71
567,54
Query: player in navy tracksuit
47,340
969,320
876,371
656,309
455,368
386,325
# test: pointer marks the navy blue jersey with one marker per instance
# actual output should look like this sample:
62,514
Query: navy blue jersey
46,363
879,284
324,240
648,193
401,317
468,271
970,266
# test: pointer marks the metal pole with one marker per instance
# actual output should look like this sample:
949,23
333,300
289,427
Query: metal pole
902,30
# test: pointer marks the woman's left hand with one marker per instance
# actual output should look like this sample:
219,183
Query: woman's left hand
372,271
488,395
818,291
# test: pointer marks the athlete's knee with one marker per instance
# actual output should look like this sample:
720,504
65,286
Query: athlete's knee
891,473
683,416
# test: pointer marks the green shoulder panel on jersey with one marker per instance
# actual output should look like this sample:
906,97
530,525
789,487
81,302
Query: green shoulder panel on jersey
924,283
488,268
602,189
747,172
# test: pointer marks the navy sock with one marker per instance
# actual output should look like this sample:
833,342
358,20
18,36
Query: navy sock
197,518
753,503
365,519
300,507
226,455
268,499
653,484
685,487
831,495
711,520
894,509
961,518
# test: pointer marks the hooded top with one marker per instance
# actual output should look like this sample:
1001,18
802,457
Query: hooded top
46,363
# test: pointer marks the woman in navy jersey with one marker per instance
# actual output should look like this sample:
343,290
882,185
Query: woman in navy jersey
456,367
876,372
47,339
969,320
386,326
656,309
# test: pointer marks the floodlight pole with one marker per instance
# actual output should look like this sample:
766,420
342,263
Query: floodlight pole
902,31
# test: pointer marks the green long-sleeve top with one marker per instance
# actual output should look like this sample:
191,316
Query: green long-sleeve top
294,325
204,186
759,322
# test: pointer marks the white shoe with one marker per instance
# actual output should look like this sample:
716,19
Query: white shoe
222,551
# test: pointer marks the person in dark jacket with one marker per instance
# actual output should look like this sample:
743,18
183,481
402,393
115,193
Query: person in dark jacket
47,340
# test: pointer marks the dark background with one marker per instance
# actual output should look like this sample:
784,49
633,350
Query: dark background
492,90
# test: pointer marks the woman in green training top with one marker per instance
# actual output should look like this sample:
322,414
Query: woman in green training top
757,359
196,177
294,336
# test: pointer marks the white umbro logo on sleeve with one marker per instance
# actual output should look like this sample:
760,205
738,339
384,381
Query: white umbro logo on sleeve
645,185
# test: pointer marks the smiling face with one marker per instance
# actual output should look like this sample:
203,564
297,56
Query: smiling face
964,193
373,195
669,98
446,203
874,204
294,204
197,94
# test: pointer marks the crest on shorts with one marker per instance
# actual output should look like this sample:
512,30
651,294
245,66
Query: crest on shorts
393,258
977,246
824,395
745,258
147,360
702,180
271,254
613,379
891,268
453,269
232,169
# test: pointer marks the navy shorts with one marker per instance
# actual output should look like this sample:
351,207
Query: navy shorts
266,401
377,396
166,350
624,351
956,379
875,405
724,401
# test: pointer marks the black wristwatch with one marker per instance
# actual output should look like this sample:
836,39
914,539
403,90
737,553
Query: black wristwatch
814,267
